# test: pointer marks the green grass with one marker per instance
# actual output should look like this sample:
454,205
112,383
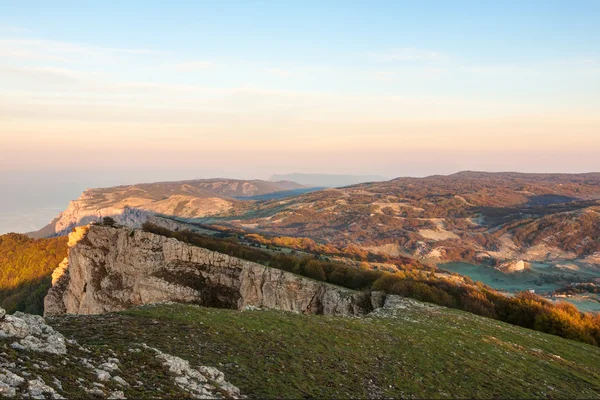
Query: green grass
147,377
423,351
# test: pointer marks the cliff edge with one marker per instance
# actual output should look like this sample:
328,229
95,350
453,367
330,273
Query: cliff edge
114,268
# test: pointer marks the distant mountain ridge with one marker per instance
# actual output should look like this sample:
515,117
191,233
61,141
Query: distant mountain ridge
132,204
327,180
470,215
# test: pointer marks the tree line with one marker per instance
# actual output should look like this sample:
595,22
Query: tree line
26,267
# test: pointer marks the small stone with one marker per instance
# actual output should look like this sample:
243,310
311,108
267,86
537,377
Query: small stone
18,346
95,391
57,383
7,391
102,375
109,366
120,381
117,395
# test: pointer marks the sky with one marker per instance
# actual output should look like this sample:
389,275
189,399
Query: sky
96,93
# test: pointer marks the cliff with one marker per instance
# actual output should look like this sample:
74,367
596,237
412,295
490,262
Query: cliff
114,268
132,205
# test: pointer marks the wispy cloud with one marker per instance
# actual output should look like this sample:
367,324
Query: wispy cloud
194,65
12,29
497,69
284,73
41,49
406,54
130,51
51,75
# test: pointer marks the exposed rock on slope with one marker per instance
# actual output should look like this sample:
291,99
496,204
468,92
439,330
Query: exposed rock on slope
38,362
111,269
31,333
513,266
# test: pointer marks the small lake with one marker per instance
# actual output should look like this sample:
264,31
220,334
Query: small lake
543,278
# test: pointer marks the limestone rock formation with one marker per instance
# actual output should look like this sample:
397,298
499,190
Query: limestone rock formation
513,266
30,332
114,268
20,374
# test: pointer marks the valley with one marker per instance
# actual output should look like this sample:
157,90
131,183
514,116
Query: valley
543,279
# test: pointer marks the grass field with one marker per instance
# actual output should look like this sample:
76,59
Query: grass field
420,351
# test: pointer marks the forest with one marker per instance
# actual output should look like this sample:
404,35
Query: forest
26,267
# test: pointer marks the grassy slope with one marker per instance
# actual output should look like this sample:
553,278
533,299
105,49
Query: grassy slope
423,351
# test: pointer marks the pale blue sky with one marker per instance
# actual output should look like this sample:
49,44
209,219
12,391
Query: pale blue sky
97,93
374,87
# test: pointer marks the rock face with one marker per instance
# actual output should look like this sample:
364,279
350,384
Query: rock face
114,268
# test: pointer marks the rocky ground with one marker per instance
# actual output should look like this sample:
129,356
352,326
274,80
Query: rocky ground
38,362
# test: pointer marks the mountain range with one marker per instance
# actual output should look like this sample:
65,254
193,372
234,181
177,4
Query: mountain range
468,216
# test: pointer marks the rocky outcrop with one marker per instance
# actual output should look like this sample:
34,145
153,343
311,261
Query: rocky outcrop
513,266
80,214
114,268
25,373
30,332
199,382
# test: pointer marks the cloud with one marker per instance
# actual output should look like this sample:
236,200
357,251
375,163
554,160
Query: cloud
194,65
42,49
43,74
130,51
407,54
497,69
12,29
284,73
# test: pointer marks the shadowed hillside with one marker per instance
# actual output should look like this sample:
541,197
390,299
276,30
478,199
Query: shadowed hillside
25,268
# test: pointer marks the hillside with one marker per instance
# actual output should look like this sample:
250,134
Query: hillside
185,199
112,268
286,328
409,350
25,268
327,180
546,223
468,216
465,216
